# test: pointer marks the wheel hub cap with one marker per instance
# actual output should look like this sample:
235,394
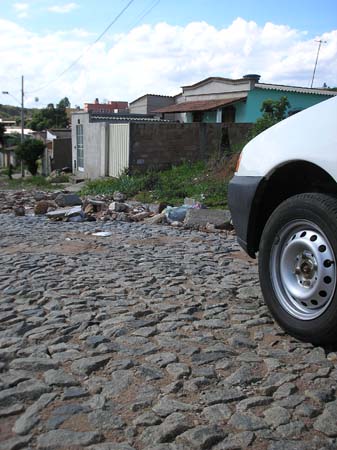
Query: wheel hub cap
303,271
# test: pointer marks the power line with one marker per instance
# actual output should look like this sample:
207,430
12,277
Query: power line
86,50
147,12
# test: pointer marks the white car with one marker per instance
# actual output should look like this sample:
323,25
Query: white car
283,200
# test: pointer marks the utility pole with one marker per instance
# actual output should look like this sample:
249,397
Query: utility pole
22,123
318,50
22,117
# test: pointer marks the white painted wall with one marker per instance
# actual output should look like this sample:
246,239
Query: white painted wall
94,146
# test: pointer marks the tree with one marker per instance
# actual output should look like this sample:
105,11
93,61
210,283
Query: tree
51,117
64,103
2,134
273,112
29,152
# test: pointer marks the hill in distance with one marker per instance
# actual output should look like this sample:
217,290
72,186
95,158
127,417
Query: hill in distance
8,112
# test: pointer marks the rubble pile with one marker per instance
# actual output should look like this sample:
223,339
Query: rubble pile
10,200
70,207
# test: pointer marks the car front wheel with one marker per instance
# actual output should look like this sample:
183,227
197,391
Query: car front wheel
297,267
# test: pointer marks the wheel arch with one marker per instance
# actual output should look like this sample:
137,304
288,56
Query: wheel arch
291,178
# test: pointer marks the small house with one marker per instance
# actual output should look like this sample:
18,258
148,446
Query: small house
225,100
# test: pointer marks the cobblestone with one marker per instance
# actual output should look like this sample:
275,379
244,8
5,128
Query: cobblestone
151,337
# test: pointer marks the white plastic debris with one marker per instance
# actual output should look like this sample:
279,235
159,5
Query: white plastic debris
102,233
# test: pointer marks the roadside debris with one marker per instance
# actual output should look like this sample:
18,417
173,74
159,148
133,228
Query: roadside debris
219,218
68,200
102,233
69,207
19,211
178,213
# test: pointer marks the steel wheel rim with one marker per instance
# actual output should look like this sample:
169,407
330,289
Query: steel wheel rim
303,270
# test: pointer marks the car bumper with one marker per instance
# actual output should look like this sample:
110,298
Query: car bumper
241,193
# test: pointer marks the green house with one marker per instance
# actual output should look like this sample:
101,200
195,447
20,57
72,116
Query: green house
223,100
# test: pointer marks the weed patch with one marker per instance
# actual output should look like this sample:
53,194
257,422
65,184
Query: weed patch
170,186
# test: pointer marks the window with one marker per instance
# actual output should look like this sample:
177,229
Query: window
79,147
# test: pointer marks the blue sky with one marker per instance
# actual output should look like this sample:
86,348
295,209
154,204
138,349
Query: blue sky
313,16
176,43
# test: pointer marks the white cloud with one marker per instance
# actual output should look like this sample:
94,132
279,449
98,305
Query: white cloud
159,59
63,9
21,9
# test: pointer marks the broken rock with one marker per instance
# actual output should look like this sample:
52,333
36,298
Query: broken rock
118,207
158,218
197,218
58,214
68,200
42,207
119,196
140,216
19,211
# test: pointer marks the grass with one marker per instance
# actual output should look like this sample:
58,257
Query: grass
204,182
28,182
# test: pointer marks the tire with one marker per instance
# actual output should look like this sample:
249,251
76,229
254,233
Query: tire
297,267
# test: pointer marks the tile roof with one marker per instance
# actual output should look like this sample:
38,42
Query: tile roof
153,95
199,105
302,90
61,133
125,118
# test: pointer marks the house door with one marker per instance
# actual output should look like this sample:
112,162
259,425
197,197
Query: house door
118,148
79,148
228,114
197,116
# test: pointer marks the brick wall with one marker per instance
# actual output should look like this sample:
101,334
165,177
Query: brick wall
160,145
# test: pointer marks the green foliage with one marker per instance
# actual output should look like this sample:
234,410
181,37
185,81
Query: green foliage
12,139
64,178
170,186
29,152
37,181
8,112
64,103
273,112
51,117
8,171
2,134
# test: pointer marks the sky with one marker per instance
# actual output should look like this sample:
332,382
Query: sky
157,46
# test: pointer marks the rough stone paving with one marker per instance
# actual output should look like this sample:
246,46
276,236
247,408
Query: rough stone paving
151,338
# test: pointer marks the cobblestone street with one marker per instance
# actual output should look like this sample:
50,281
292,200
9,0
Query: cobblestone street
151,338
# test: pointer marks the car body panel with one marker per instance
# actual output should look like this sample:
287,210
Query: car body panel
241,191
295,139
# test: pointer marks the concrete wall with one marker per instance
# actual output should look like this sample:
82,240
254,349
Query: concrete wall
162,145
217,87
250,111
157,101
149,103
95,147
139,106
142,146
7,158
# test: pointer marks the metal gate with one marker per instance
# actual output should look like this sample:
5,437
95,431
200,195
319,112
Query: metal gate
119,139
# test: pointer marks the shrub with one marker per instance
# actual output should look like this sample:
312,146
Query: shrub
29,152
